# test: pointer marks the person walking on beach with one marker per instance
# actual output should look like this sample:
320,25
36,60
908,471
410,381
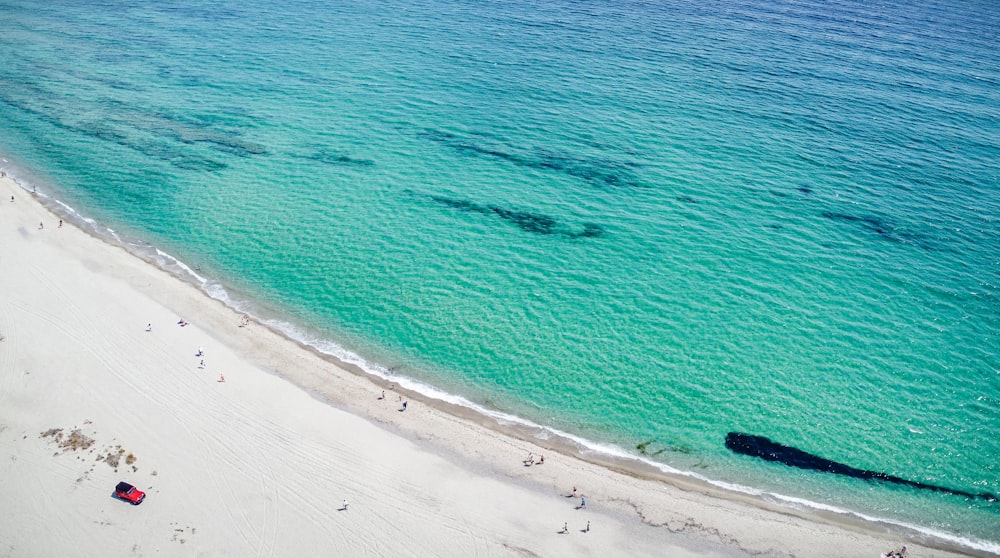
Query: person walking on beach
583,503
41,225
565,528
60,223
587,529
345,506
404,407
149,327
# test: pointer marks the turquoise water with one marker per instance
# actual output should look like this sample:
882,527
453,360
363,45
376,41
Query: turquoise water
634,223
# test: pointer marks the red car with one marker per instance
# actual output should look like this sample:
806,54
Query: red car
129,493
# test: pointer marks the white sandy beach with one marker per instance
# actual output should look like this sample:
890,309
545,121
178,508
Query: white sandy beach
260,465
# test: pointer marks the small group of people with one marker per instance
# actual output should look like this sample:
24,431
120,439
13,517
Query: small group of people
582,506
41,224
901,553
565,528
530,460
402,402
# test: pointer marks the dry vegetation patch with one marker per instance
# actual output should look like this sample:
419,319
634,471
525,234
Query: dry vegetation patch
114,456
76,440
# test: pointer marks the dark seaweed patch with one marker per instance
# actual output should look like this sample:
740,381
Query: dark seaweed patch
873,224
228,145
106,131
338,158
100,130
805,190
531,222
687,199
883,228
138,128
759,446
527,221
194,130
596,171
86,77
461,205
188,162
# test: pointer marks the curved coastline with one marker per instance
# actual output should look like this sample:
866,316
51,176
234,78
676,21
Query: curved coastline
527,431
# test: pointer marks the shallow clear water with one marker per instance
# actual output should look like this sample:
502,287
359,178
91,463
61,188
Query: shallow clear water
635,223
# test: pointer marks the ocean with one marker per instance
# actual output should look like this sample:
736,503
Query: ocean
641,225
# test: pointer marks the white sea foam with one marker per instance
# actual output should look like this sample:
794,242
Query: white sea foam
931,533
176,266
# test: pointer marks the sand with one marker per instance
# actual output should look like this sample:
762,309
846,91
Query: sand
262,463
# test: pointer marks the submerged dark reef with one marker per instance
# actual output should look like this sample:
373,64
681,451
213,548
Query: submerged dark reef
873,224
156,134
525,220
759,446
334,157
884,228
596,171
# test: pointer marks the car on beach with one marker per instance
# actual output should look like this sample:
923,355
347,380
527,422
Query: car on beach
127,492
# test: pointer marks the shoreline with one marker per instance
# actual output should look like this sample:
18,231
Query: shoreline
717,521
